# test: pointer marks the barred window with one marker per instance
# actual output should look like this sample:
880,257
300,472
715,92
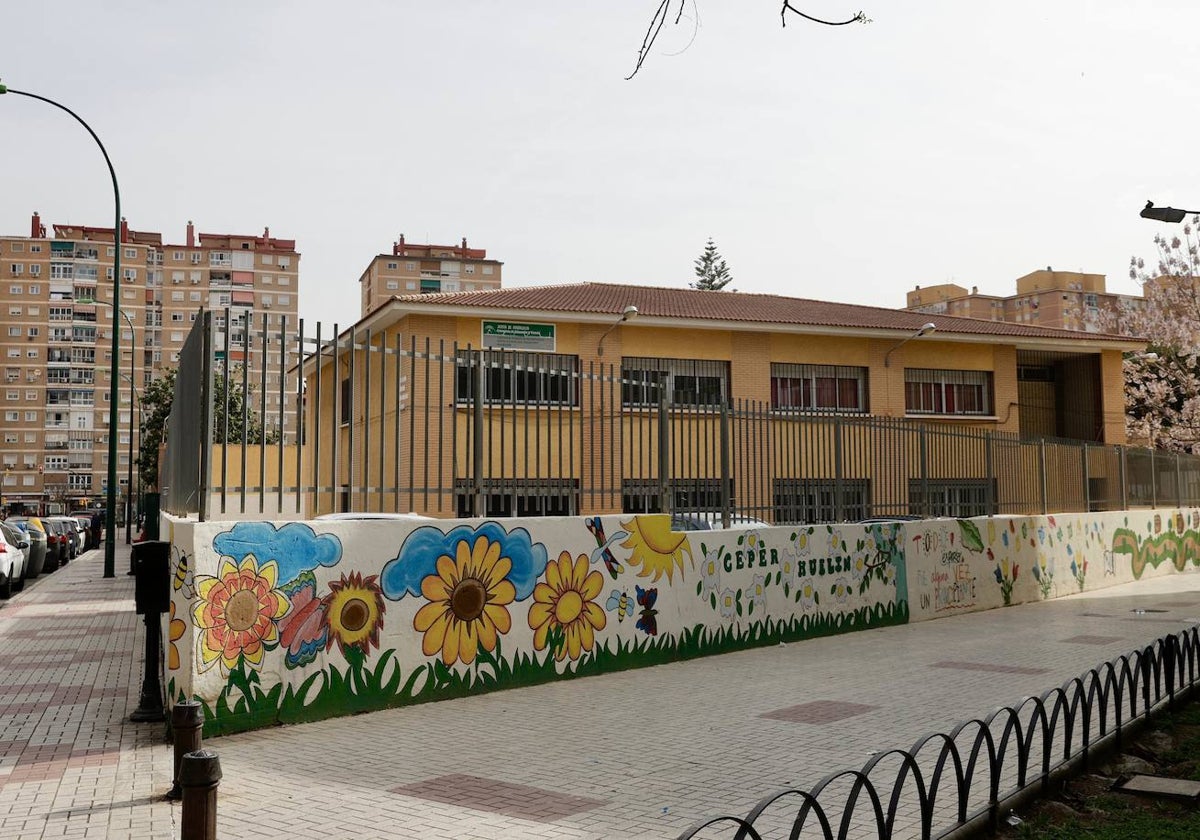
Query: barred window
688,382
928,391
959,498
518,377
520,497
803,500
818,387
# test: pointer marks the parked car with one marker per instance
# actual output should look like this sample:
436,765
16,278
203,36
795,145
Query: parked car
85,528
71,526
35,560
58,544
712,521
13,548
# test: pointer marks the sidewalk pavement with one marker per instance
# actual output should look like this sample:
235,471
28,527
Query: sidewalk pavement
642,753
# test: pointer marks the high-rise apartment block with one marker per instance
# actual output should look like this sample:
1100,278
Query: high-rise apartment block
426,269
58,312
1068,300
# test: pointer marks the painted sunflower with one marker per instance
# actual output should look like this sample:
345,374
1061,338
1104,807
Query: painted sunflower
237,611
353,612
175,631
567,600
468,598
655,547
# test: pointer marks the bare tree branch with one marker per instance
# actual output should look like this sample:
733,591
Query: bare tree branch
663,12
859,17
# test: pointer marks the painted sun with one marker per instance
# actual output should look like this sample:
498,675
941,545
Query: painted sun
655,547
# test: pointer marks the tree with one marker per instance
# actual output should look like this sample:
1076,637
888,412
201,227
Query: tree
156,408
157,399
1162,385
663,12
711,272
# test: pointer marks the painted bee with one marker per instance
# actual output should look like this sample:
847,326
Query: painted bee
183,579
621,602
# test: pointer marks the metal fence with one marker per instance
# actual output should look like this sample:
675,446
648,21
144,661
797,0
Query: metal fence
961,782
373,422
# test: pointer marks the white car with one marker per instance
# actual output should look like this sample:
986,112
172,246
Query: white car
712,522
14,548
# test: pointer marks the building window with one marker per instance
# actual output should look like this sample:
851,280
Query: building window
695,495
35,270
284,262
818,387
487,269
688,382
469,269
958,498
14,332
16,290
12,416
393,266
131,253
346,400
16,269
268,259
801,500
512,377
393,285
928,391
411,266
520,497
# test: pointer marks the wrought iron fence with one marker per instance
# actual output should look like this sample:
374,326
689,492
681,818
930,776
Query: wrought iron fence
948,783
369,421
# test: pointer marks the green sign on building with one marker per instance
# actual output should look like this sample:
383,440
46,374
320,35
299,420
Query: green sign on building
515,336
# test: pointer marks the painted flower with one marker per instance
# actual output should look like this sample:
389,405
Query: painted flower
840,590
803,542
787,565
655,547
835,541
468,602
237,612
859,568
728,603
566,600
758,591
353,612
175,631
807,593
889,574
710,569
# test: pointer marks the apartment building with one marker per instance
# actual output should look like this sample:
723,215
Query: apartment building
59,313
1068,300
426,269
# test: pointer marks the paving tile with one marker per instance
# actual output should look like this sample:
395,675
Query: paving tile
1093,640
819,711
989,667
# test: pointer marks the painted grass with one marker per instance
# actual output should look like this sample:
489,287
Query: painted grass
245,705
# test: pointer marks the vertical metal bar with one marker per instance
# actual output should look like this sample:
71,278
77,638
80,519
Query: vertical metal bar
335,469
599,387
1042,474
281,403
664,441
319,372
412,421
1122,478
924,455
1153,480
1087,481
1178,483
383,407
396,430
425,473
989,473
441,415
301,444
206,419
351,417
228,343
723,420
262,417
246,325
366,415
477,374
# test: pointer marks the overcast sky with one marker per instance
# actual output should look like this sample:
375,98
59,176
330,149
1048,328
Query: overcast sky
946,141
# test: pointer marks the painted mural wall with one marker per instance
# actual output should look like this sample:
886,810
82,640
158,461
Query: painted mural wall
294,621
965,565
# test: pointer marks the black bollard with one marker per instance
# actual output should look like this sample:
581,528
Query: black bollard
187,724
152,598
199,776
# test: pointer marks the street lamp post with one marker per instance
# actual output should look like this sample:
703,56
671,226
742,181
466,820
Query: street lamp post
129,509
110,542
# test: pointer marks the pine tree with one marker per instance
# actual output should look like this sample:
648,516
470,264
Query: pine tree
711,272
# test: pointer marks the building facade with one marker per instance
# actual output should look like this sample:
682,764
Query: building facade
601,398
426,269
59,313
1068,300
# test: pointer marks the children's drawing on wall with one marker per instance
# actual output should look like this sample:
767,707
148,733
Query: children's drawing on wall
1176,541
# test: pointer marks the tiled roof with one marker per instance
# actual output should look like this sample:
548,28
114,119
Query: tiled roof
662,302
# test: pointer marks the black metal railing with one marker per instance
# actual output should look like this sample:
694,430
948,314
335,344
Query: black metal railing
303,423
968,778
